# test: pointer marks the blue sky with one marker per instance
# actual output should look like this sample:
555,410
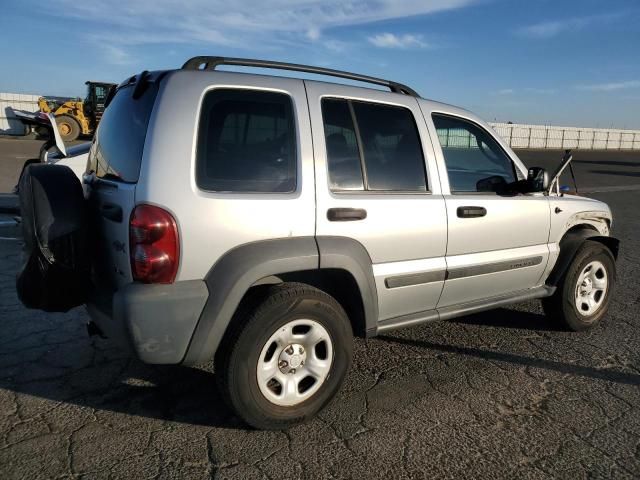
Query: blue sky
570,62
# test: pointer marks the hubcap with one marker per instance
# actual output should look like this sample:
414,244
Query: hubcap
294,362
591,288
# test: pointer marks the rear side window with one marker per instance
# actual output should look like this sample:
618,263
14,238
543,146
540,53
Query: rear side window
372,147
119,141
345,171
246,142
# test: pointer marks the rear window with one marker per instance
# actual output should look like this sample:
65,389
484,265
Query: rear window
246,142
119,141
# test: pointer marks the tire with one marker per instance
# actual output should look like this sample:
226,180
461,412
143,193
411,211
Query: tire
68,127
572,305
256,338
55,275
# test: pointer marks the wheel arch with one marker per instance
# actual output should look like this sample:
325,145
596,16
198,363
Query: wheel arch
571,241
328,263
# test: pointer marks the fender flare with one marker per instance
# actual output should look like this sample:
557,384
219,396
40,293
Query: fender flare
348,254
569,246
242,267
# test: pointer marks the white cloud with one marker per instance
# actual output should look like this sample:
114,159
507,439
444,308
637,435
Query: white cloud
116,55
390,40
611,86
250,24
537,91
313,33
335,45
541,91
553,28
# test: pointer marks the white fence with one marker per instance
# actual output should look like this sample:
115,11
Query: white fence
516,135
543,136
9,125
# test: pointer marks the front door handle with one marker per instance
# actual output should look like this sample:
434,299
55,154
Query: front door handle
346,214
471,212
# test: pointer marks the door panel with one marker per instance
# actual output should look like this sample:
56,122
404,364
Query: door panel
509,222
489,274
408,287
405,233
497,242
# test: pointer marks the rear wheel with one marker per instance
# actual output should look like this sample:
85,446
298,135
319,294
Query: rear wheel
68,127
583,295
286,356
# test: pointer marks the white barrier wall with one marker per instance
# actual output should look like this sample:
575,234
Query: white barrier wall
9,101
544,136
516,135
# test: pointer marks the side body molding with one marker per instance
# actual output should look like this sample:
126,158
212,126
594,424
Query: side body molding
230,278
350,255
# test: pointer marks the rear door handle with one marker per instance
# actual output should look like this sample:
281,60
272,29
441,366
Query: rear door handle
111,211
471,212
346,214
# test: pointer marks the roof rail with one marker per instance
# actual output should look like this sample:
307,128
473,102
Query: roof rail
210,63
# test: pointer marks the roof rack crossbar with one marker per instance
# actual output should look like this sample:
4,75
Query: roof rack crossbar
210,63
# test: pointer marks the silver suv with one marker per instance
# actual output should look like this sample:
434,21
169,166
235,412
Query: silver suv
262,221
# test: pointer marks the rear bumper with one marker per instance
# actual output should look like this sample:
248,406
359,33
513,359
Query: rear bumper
156,321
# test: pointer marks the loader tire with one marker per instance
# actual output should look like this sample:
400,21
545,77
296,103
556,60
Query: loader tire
68,127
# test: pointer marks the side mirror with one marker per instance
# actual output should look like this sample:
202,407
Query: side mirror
495,183
537,179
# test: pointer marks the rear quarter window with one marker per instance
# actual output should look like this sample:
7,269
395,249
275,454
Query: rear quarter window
119,141
246,142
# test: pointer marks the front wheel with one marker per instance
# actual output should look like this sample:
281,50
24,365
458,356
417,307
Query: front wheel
286,356
584,293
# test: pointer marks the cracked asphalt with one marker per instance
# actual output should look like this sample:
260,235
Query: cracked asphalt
503,394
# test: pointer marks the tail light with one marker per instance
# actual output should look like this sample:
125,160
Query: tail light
153,245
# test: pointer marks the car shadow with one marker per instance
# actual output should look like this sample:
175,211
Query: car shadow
616,172
606,163
92,373
505,318
521,360
125,385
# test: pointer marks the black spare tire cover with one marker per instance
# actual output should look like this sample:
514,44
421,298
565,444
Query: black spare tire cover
55,274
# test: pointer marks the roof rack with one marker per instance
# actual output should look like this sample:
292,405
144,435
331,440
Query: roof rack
210,63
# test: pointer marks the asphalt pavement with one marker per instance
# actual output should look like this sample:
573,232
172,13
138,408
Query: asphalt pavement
502,394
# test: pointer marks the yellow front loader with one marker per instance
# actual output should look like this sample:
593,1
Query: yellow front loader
74,116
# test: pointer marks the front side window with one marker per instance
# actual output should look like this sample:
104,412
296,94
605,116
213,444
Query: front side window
372,147
246,142
475,162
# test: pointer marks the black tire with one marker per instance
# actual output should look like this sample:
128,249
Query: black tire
562,305
257,319
68,127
